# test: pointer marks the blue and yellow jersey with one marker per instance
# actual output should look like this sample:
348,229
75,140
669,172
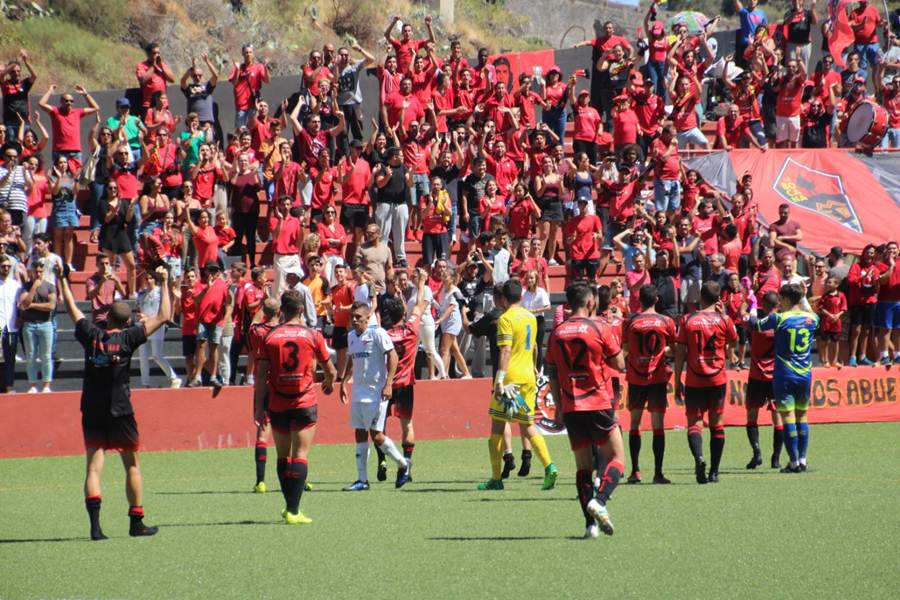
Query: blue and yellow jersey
517,328
794,331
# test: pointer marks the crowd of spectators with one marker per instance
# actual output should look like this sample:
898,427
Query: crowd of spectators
308,193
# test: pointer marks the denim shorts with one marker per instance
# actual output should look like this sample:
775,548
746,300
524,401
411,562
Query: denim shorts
209,332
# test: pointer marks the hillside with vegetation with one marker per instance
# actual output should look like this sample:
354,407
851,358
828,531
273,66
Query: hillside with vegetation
98,42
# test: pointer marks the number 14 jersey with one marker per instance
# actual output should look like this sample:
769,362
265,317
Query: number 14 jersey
292,351
706,334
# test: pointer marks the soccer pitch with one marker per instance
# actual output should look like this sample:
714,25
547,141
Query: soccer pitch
833,532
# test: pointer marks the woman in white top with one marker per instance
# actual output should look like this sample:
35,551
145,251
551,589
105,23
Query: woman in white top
427,326
148,306
451,323
537,300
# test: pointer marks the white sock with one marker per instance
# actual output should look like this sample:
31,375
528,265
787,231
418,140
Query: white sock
896,354
390,449
885,354
802,460
362,461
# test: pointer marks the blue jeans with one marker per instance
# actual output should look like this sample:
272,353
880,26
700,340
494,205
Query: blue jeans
667,194
10,340
242,116
39,346
891,139
657,71
868,54
98,192
421,187
556,120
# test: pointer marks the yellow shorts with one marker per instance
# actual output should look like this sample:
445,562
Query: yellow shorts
529,394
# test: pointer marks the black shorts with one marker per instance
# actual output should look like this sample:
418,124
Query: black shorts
698,400
295,419
355,215
742,335
651,397
829,336
188,345
107,432
401,403
339,337
584,268
589,427
862,314
760,394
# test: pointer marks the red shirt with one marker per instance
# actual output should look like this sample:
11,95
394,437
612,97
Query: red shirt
156,83
66,129
769,281
292,351
251,294
579,348
505,171
734,303
212,304
633,282
762,354
189,315
333,238
341,295
415,156
519,218
732,131
790,98
39,190
669,169
207,244
708,229
684,112
205,182
583,228
647,335
312,83
256,337
432,220
286,241
127,181
224,235
863,284
650,110
323,189
286,183
406,52
621,199
869,17
356,189
889,291
706,334
491,208
586,121
604,44
833,303
394,106
526,103
163,162
625,127
247,81
406,342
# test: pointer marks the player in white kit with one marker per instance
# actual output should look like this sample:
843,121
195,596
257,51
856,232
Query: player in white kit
373,360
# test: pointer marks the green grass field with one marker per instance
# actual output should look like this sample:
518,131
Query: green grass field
832,532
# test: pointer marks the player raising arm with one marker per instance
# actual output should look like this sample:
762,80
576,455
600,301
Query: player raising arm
792,378
107,417
285,370
578,351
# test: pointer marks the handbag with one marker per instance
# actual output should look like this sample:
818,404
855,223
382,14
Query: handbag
89,168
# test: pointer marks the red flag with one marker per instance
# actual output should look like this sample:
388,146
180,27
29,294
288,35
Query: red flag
841,34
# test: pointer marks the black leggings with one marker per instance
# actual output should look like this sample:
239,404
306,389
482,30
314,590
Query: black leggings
245,227
589,148
434,245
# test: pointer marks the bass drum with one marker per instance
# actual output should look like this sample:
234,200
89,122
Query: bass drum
867,124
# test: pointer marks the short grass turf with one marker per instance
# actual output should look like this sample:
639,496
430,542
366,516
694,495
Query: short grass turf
830,533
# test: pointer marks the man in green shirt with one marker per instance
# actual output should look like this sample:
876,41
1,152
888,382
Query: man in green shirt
129,124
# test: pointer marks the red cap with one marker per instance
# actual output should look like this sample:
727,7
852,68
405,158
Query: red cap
657,28
637,78
553,68
622,97
583,93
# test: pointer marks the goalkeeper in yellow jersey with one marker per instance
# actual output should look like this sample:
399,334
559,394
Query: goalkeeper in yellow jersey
515,386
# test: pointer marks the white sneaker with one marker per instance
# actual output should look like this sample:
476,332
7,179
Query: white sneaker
46,390
552,262
601,515
175,382
592,531
32,390
250,380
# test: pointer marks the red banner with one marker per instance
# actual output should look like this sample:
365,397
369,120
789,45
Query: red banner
834,196
508,67
196,419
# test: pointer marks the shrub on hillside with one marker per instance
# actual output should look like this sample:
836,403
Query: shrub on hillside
103,17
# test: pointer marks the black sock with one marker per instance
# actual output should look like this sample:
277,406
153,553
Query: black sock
609,481
281,468
634,447
137,527
92,504
585,489
381,457
695,442
716,446
260,455
296,477
408,450
599,460
753,437
659,450
777,440
526,456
